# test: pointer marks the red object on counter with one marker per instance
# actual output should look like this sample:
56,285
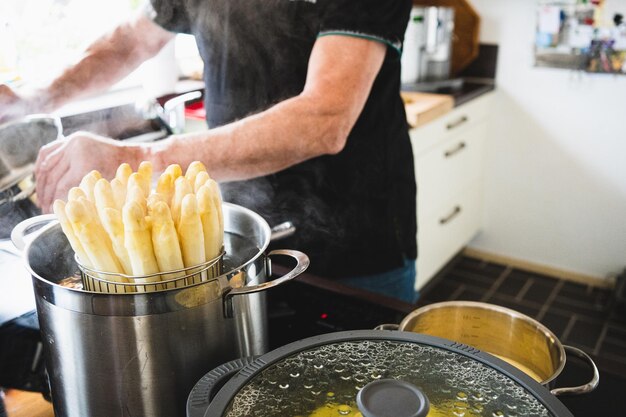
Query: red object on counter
195,110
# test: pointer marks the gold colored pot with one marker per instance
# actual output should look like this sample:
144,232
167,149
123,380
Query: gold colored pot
507,334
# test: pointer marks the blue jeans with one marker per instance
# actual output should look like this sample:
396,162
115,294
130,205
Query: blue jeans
398,283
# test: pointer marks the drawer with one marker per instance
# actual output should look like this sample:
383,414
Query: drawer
453,123
444,232
446,169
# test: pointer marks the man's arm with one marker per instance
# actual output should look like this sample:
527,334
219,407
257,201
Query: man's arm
106,61
316,122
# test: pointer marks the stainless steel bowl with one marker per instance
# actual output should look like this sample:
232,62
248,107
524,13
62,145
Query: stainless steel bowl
511,336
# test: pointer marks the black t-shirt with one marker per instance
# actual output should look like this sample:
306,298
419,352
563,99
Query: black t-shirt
355,212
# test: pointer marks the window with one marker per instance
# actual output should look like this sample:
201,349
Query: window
39,38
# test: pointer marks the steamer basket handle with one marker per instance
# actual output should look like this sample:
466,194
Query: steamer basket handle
20,233
582,389
302,263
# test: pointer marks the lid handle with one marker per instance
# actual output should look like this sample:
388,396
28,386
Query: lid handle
391,397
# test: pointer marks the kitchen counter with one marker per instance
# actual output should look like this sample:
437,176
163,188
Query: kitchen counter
425,103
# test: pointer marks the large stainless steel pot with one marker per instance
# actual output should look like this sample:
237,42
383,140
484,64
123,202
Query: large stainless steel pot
139,354
505,333
372,373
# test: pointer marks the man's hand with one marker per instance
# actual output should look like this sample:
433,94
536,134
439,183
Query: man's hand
62,164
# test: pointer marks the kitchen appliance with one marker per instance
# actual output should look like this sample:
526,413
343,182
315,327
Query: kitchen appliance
412,47
505,333
427,48
135,354
20,142
371,370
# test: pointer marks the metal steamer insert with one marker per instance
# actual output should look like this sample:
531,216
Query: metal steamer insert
100,281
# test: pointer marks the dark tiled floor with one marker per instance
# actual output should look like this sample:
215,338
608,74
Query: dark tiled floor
580,315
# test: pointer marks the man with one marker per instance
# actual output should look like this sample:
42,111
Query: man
307,125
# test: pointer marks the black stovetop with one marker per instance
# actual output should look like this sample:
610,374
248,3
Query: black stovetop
309,306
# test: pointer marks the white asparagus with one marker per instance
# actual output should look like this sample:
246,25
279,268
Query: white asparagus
165,241
92,236
59,209
103,196
75,193
174,170
136,180
112,222
145,173
165,187
88,183
153,199
119,193
181,189
193,170
135,194
216,195
213,235
201,179
123,173
190,232
138,242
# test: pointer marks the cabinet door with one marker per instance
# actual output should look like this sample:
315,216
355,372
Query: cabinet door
444,171
444,231
457,122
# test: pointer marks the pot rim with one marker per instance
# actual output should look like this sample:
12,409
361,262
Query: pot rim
225,395
232,271
500,309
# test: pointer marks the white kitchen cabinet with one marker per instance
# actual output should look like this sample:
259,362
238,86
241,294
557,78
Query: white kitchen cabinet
449,155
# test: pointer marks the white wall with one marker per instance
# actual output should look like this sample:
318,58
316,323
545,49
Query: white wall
556,165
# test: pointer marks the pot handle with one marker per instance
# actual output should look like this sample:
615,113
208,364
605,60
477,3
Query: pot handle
582,389
203,392
23,229
283,230
302,263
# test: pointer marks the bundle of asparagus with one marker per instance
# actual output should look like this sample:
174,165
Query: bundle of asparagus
124,227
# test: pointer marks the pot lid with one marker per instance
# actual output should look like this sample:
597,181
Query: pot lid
366,373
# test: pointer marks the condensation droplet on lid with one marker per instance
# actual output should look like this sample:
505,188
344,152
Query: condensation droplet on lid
344,410
478,408
294,375
498,414
283,386
461,396
460,405
330,394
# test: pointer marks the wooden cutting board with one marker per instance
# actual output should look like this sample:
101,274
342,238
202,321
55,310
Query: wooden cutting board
26,404
422,108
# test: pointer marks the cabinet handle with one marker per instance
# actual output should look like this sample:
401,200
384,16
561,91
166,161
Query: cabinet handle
449,217
458,148
457,123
